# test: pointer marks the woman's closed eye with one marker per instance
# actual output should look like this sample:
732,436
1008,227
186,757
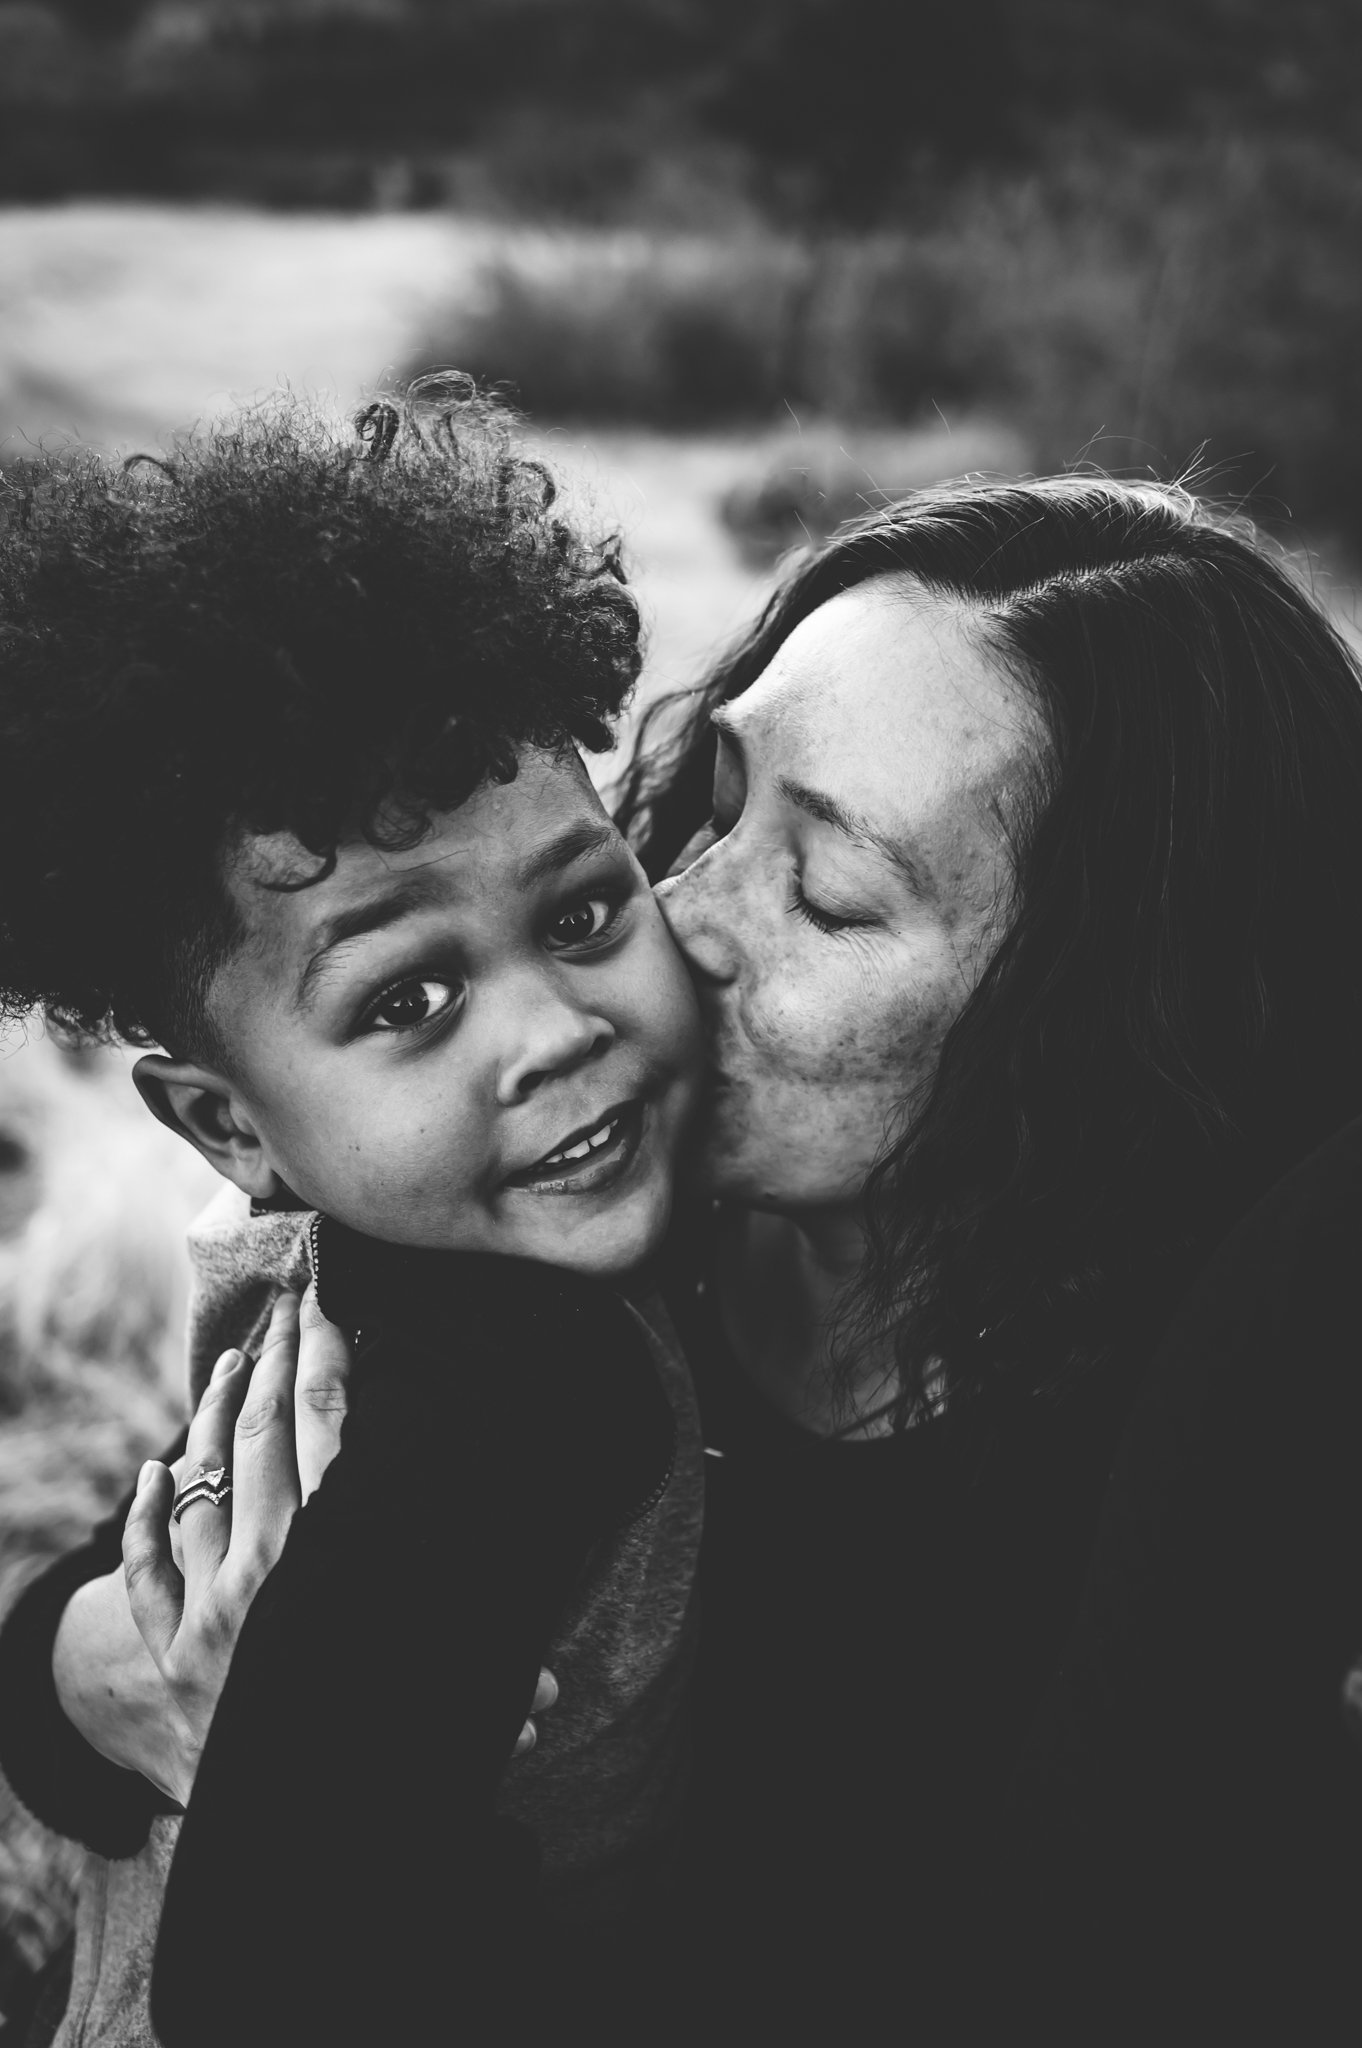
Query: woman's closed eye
822,918
414,1002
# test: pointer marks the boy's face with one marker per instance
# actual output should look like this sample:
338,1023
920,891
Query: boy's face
418,1040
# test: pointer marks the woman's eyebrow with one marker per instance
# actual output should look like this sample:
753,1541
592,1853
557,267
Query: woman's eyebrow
828,810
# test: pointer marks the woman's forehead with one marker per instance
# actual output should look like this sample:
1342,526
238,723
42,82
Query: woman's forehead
885,688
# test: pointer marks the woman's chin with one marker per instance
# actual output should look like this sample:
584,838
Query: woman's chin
702,1172
715,1158
737,1152
722,1176
750,1181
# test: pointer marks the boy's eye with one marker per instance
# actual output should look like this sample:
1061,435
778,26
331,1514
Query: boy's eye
412,1003
581,921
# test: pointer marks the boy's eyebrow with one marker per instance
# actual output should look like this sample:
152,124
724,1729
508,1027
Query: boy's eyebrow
414,887
593,835
386,907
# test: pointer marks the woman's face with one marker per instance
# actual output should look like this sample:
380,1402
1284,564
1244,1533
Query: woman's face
851,887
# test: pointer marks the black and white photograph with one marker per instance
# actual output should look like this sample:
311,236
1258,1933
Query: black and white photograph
680,1023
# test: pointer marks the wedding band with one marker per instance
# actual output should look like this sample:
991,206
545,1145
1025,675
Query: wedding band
212,1483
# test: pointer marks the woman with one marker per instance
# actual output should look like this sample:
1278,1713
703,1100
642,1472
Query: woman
1023,924
1025,928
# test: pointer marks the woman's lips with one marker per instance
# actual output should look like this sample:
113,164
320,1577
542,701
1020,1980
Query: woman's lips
598,1167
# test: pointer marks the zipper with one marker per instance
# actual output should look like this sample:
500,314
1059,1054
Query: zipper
314,1253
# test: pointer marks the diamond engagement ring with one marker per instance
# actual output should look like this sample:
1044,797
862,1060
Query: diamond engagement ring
212,1483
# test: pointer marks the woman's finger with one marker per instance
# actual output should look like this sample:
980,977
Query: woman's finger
545,1696
155,1588
1352,1700
205,1530
320,1392
545,1693
264,1460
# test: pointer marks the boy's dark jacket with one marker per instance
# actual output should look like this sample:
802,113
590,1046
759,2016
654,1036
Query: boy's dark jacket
342,1872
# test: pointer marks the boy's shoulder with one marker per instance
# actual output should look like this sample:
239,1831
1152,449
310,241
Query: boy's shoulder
558,1356
512,1350
239,1259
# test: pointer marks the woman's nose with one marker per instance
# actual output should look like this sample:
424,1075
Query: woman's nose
549,1036
697,912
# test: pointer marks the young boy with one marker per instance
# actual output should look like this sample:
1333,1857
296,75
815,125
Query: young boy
289,787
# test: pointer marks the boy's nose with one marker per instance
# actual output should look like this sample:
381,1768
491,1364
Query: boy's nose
549,1037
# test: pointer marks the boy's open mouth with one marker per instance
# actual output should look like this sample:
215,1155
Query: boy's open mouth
588,1158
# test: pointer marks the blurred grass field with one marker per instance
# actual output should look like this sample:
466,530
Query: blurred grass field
94,1199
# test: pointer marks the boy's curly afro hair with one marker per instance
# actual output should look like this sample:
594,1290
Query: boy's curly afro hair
279,627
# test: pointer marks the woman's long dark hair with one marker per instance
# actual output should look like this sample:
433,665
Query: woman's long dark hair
1174,1015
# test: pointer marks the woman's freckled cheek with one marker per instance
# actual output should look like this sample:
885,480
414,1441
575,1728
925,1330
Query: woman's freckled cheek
873,1029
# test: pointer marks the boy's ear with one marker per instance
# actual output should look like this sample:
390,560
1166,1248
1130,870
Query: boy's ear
196,1103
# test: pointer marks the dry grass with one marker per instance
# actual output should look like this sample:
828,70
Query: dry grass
94,1198
92,1290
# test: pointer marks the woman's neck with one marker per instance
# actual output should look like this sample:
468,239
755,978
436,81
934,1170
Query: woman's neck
783,1284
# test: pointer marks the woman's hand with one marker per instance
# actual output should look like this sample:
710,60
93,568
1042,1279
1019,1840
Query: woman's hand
189,1586
276,1427
111,1691
545,1694
109,1684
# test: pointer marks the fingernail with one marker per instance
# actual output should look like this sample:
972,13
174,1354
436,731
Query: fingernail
1352,1696
228,1362
145,1473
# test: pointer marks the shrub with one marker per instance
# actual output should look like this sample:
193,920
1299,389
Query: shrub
672,331
1150,305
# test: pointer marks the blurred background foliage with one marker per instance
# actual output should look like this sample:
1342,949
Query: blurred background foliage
842,111
1131,232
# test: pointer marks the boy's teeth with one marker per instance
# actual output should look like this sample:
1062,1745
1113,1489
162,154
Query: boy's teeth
592,1143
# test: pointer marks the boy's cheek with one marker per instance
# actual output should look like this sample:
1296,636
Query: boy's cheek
688,1031
675,1008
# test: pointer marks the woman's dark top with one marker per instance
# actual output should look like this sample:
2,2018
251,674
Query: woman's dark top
1186,1820
1026,1722
879,1619
343,1873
